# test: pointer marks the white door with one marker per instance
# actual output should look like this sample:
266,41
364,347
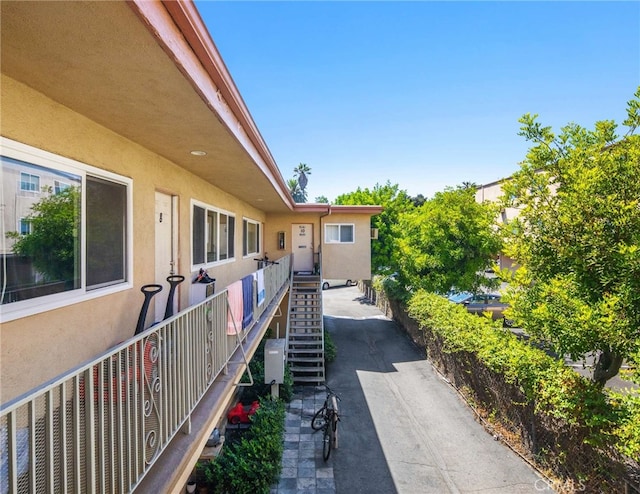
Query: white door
302,247
165,250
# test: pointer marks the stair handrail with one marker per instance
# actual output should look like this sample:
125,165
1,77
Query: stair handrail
288,318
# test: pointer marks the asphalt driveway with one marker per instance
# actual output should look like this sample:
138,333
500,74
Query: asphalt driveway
403,429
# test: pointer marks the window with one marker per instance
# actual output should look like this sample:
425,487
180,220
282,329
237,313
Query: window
29,183
213,234
339,233
250,237
72,240
25,226
106,232
59,186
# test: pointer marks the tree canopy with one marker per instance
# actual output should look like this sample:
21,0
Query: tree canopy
52,245
446,243
394,202
577,240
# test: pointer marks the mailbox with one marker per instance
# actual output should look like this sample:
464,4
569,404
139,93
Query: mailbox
274,361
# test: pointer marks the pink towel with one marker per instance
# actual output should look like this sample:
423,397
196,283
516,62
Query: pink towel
234,312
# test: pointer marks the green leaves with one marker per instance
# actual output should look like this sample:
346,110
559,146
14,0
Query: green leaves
53,244
447,242
605,418
253,464
395,202
577,236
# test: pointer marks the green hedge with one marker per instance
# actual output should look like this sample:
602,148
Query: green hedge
609,418
252,464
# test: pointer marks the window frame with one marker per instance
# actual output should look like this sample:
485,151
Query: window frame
22,223
339,226
230,242
31,176
39,157
246,252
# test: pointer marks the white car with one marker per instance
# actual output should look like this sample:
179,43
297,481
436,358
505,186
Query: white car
326,284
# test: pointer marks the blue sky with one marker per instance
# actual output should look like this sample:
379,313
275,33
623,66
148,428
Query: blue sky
422,94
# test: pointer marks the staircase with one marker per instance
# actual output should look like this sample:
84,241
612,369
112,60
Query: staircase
305,351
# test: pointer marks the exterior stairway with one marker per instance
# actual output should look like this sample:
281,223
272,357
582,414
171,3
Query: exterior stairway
305,345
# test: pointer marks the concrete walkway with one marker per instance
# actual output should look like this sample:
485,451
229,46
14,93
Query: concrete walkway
403,429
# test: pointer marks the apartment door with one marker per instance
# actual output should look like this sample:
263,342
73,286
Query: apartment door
302,247
165,249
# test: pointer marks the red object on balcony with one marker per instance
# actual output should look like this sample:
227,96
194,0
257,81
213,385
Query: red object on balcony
240,414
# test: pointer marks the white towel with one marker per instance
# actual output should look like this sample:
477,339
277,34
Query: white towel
259,276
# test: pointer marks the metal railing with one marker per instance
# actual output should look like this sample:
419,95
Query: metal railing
101,426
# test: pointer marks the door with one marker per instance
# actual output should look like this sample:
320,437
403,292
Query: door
165,250
302,247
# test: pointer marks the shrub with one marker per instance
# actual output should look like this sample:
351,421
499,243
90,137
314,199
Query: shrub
330,350
596,417
251,465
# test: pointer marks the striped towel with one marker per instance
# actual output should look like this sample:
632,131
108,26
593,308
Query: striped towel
247,295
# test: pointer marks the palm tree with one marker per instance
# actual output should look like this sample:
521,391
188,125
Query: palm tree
298,194
301,171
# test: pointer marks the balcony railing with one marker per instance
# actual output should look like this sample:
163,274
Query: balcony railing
100,427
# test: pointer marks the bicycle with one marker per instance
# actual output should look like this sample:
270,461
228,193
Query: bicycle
326,419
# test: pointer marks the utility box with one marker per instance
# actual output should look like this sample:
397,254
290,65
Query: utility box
274,361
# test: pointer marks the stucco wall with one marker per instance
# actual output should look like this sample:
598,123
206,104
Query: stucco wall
39,347
339,261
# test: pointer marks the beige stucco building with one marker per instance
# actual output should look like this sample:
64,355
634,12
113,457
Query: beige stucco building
131,105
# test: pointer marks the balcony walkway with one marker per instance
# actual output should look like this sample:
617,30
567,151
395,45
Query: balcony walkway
137,417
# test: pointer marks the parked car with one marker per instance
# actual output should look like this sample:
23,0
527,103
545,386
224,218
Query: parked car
482,302
326,284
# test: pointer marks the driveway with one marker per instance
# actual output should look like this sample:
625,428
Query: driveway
403,429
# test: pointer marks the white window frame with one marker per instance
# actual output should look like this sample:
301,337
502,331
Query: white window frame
59,186
339,226
31,177
23,221
208,208
30,154
245,238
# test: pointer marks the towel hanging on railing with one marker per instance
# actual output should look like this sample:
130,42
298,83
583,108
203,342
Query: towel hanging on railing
261,294
247,304
234,314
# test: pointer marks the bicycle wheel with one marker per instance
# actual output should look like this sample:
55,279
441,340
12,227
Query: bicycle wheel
319,420
327,441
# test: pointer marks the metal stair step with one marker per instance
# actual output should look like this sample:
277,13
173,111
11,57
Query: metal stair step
307,360
309,379
307,370
303,351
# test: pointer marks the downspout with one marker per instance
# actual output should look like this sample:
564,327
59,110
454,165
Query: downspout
328,213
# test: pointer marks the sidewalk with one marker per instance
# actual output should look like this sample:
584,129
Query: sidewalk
303,468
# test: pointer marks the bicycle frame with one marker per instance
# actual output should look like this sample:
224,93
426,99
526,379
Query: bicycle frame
326,419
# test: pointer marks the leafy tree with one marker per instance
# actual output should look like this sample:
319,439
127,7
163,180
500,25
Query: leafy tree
322,200
447,242
418,200
577,239
395,202
52,245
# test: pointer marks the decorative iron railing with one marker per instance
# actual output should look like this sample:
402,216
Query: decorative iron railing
100,427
